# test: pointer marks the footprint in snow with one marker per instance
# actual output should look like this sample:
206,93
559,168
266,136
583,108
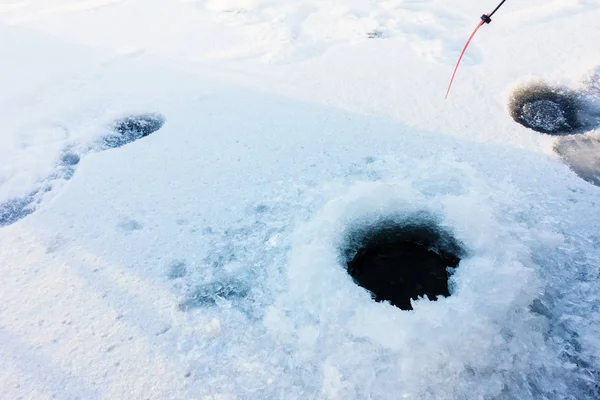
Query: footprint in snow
120,133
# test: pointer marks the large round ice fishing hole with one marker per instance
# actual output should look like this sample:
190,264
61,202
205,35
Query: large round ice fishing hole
398,262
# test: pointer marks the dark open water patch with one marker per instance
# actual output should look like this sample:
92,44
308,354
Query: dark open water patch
400,261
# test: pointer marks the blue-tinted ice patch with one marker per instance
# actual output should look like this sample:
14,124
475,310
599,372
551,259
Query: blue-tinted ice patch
70,159
209,294
132,128
16,208
236,265
129,225
177,269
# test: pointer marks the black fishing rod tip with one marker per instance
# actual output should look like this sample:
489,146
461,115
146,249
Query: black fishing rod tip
486,18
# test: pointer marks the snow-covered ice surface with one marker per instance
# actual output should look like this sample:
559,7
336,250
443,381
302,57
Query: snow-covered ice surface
202,261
